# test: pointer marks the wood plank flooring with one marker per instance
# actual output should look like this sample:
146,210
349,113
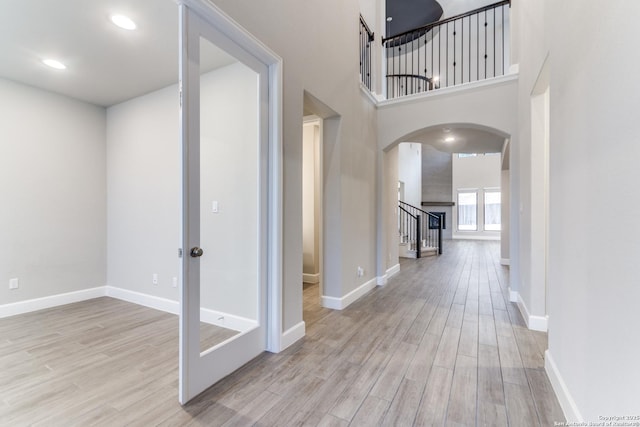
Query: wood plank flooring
438,345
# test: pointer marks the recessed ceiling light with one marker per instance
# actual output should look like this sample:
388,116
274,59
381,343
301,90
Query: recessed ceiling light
123,22
54,64
449,139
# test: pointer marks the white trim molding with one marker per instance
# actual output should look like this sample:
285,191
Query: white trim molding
505,261
151,301
311,278
254,46
348,299
213,317
36,304
391,271
535,323
499,80
462,236
291,335
226,320
371,96
568,405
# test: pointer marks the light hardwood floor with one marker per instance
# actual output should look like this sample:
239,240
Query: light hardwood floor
439,345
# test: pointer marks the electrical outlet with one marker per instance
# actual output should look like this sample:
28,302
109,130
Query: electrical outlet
154,278
14,283
360,271
174,282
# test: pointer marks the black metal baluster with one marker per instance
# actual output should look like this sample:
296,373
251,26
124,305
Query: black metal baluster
447,57
469,48
414,70
503,49
485,44
462,50
454,52
433,40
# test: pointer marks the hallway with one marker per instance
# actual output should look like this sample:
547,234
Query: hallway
440,344
437,345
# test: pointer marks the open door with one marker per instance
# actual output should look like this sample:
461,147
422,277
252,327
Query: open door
225,140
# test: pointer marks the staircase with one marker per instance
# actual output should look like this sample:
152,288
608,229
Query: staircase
420,232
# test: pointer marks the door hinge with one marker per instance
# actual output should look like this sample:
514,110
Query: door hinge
179,252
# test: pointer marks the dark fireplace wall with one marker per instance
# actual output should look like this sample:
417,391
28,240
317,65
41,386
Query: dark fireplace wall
437,183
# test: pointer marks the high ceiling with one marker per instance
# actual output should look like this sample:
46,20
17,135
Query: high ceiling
410,14
105,64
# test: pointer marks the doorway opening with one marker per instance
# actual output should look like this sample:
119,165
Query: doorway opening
230,245
312,209
539,258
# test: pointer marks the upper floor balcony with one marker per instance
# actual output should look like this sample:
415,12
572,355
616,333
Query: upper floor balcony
465,48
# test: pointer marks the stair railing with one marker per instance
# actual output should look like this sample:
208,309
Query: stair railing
430,233
465,48
411,228
366,37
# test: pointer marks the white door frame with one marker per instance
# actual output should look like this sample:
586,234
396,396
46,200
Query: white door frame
221,24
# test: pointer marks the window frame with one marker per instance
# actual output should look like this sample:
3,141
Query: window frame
484,208
474,191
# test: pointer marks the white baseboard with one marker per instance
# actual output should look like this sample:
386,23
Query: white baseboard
27,306
311,278
505,261
212,317
475,237
292,335
392,271
151,301
535,323
226,320
345,301
568,405
237,323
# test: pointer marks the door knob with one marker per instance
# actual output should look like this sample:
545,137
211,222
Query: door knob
196,252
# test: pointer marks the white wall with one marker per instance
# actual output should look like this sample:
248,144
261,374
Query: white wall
229,171
475,173
143,181
410,171
505,229
493,105
390,208
143,158
592,293
330,74
52,182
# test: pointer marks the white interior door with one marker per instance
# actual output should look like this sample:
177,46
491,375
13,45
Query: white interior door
224,133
